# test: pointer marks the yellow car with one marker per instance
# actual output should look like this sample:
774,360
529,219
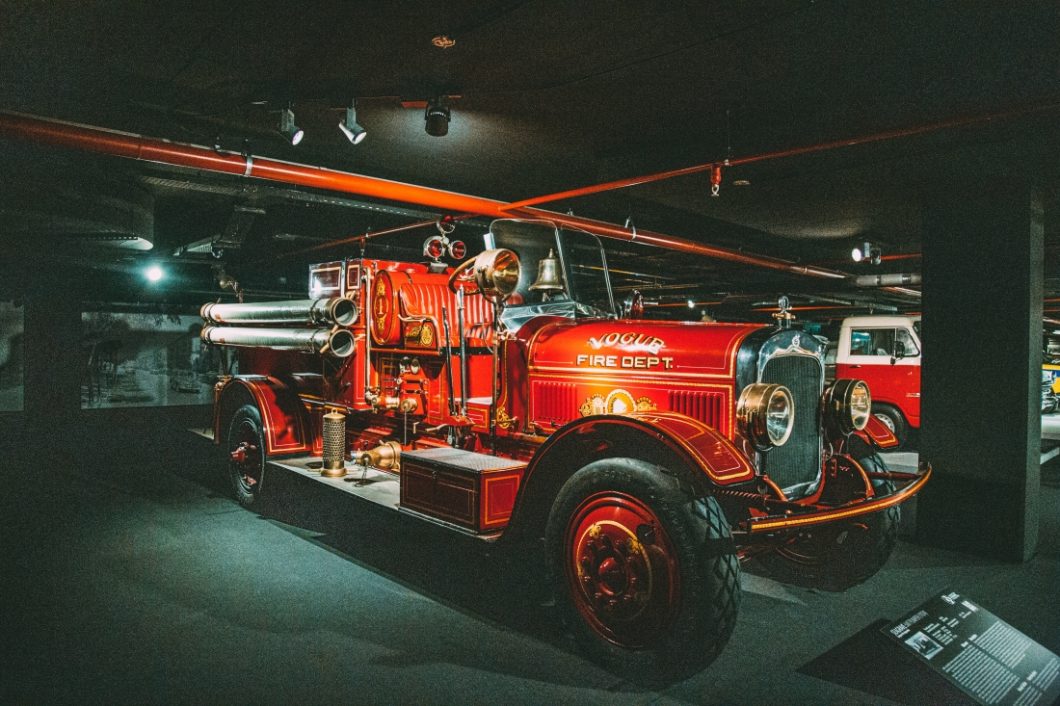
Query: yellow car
1054,370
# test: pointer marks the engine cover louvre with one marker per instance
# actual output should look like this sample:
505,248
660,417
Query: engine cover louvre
707,407
554,402
799,460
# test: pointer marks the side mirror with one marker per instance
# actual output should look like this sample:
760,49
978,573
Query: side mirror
899,352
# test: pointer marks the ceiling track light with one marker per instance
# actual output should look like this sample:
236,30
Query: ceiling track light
350,127
436,117
291,132
867,252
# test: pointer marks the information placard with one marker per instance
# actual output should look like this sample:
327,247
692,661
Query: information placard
978,652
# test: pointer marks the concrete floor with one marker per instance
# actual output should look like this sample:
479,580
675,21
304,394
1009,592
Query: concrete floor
132,578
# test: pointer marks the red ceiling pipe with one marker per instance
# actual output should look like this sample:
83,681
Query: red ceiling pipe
793,152
669,242
138,147
149,149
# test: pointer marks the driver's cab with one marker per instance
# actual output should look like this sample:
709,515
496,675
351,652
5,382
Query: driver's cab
562,272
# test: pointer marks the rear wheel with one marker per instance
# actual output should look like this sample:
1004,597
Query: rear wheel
644,572
246,454
836,556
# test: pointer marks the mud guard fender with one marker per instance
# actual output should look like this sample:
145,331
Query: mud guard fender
877,434
286,424
699,453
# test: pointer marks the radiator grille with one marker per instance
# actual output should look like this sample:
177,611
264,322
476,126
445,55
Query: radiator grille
799,460
554,402
707,407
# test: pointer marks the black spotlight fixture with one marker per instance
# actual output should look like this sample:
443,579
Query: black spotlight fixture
437,117
351,129
288,129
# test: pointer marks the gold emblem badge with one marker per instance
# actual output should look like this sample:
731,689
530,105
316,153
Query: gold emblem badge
503,420
616,402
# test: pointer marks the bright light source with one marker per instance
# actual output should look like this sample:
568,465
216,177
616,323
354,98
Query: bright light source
867,251
288,129
691,303
154,273
351,129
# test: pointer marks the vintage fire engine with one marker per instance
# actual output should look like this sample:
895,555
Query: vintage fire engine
509,399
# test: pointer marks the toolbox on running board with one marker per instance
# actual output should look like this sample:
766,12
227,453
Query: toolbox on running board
472,490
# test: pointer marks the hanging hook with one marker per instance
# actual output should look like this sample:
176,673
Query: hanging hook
715,179
631,226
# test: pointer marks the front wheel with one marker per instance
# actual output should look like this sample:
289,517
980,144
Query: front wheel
837,556
645,573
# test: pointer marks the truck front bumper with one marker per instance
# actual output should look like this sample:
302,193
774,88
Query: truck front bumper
798,517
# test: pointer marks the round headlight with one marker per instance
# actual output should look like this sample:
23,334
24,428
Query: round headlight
847,405
766,414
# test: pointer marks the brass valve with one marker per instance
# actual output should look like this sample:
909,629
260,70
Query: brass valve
385,457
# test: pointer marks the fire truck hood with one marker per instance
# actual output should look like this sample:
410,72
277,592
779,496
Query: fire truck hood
649,348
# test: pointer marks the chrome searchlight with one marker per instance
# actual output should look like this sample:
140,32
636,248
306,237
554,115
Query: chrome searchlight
846,405
765,414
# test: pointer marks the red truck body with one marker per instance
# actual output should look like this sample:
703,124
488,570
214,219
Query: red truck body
508,409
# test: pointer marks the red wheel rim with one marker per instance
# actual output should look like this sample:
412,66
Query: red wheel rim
621,569
245,456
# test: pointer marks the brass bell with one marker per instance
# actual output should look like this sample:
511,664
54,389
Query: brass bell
548,275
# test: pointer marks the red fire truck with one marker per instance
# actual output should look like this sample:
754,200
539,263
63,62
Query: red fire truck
510,399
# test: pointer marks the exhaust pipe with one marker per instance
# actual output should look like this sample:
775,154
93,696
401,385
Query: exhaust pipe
337,343
318,312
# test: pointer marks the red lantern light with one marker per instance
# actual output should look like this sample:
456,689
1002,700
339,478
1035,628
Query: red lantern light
434,248
457,250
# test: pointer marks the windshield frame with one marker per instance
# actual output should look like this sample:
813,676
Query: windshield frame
564,243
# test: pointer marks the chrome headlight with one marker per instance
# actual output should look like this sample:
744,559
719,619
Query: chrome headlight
765,414
847,405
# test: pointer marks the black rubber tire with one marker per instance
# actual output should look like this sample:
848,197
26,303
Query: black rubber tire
836,557
894,420
247,478
693,533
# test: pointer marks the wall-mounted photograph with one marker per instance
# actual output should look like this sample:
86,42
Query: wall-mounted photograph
145,360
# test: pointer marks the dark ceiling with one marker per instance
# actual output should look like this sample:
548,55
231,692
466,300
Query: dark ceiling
546,96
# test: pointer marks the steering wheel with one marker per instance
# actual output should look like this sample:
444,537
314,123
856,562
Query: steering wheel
463,277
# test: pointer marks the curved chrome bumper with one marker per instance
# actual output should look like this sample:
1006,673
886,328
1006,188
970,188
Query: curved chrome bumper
794,519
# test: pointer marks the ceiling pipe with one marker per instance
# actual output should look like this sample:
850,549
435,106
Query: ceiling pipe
140,148
893,279
793,152
902,292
